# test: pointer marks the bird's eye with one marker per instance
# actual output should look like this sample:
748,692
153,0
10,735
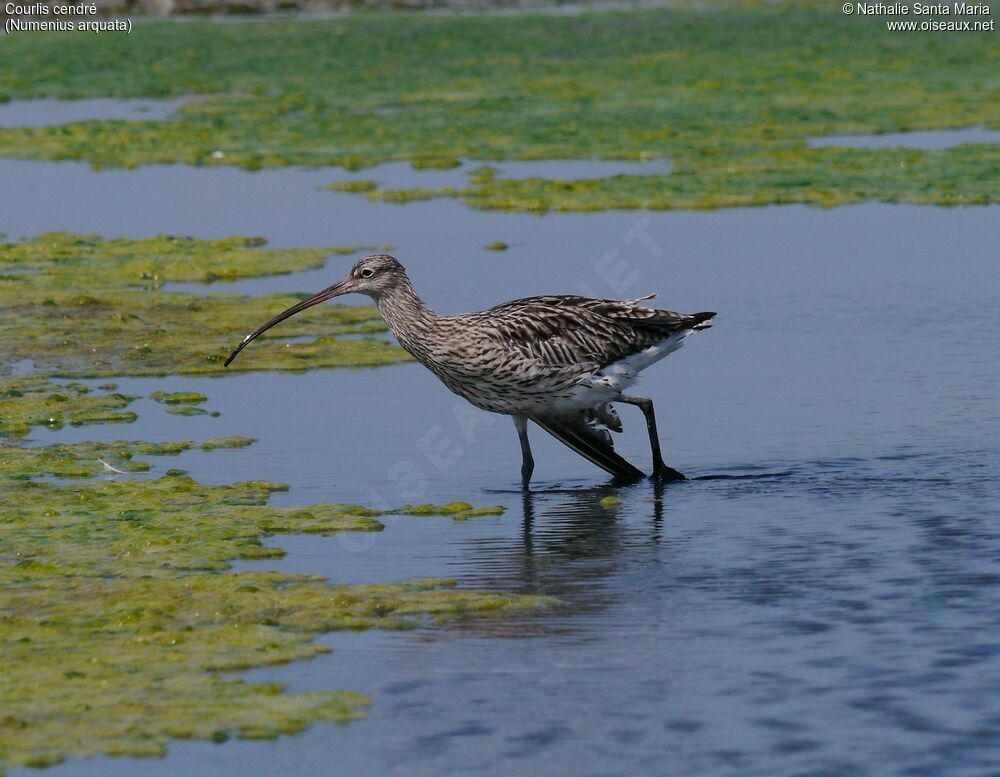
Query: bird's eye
368,272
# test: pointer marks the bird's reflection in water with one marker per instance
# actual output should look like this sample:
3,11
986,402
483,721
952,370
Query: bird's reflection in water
584,514
574,544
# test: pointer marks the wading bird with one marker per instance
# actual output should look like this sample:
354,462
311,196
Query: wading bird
560,361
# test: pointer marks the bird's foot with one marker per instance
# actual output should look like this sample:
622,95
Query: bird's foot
664,474
626,480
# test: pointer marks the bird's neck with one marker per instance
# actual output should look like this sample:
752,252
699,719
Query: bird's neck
407,317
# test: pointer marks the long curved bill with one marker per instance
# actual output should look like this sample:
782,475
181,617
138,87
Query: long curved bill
328,293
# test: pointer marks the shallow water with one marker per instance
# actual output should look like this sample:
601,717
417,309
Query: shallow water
575,169
49,112
22,367
922,139
820,598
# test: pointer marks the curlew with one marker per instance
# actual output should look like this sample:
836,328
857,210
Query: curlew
559,361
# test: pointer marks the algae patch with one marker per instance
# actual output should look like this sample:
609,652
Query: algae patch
87,459
353,187
92,307
183,403
729,92
119,612
964,175
38,401
458,511
178,397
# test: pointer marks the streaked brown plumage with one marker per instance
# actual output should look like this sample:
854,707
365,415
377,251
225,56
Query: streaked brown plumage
559,361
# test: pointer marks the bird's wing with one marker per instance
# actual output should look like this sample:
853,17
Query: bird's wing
592,443
571,330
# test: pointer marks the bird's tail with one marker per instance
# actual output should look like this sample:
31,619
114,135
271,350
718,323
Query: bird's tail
591,443
699,321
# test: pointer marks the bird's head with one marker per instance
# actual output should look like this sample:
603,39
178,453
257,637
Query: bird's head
374,275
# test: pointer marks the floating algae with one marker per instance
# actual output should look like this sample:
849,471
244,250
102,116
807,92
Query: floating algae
436,163
458,511
729,92
353,187
824,177
35,400
119,611
183,403
120,614
96,308
178,397
86,459
189,410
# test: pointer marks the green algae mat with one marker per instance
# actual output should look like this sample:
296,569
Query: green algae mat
81,306
120,617
728,92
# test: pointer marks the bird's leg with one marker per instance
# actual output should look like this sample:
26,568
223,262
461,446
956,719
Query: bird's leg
529,519
527,462
660,470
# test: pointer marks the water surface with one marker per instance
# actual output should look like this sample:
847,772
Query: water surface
929,140
46,112
820,597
